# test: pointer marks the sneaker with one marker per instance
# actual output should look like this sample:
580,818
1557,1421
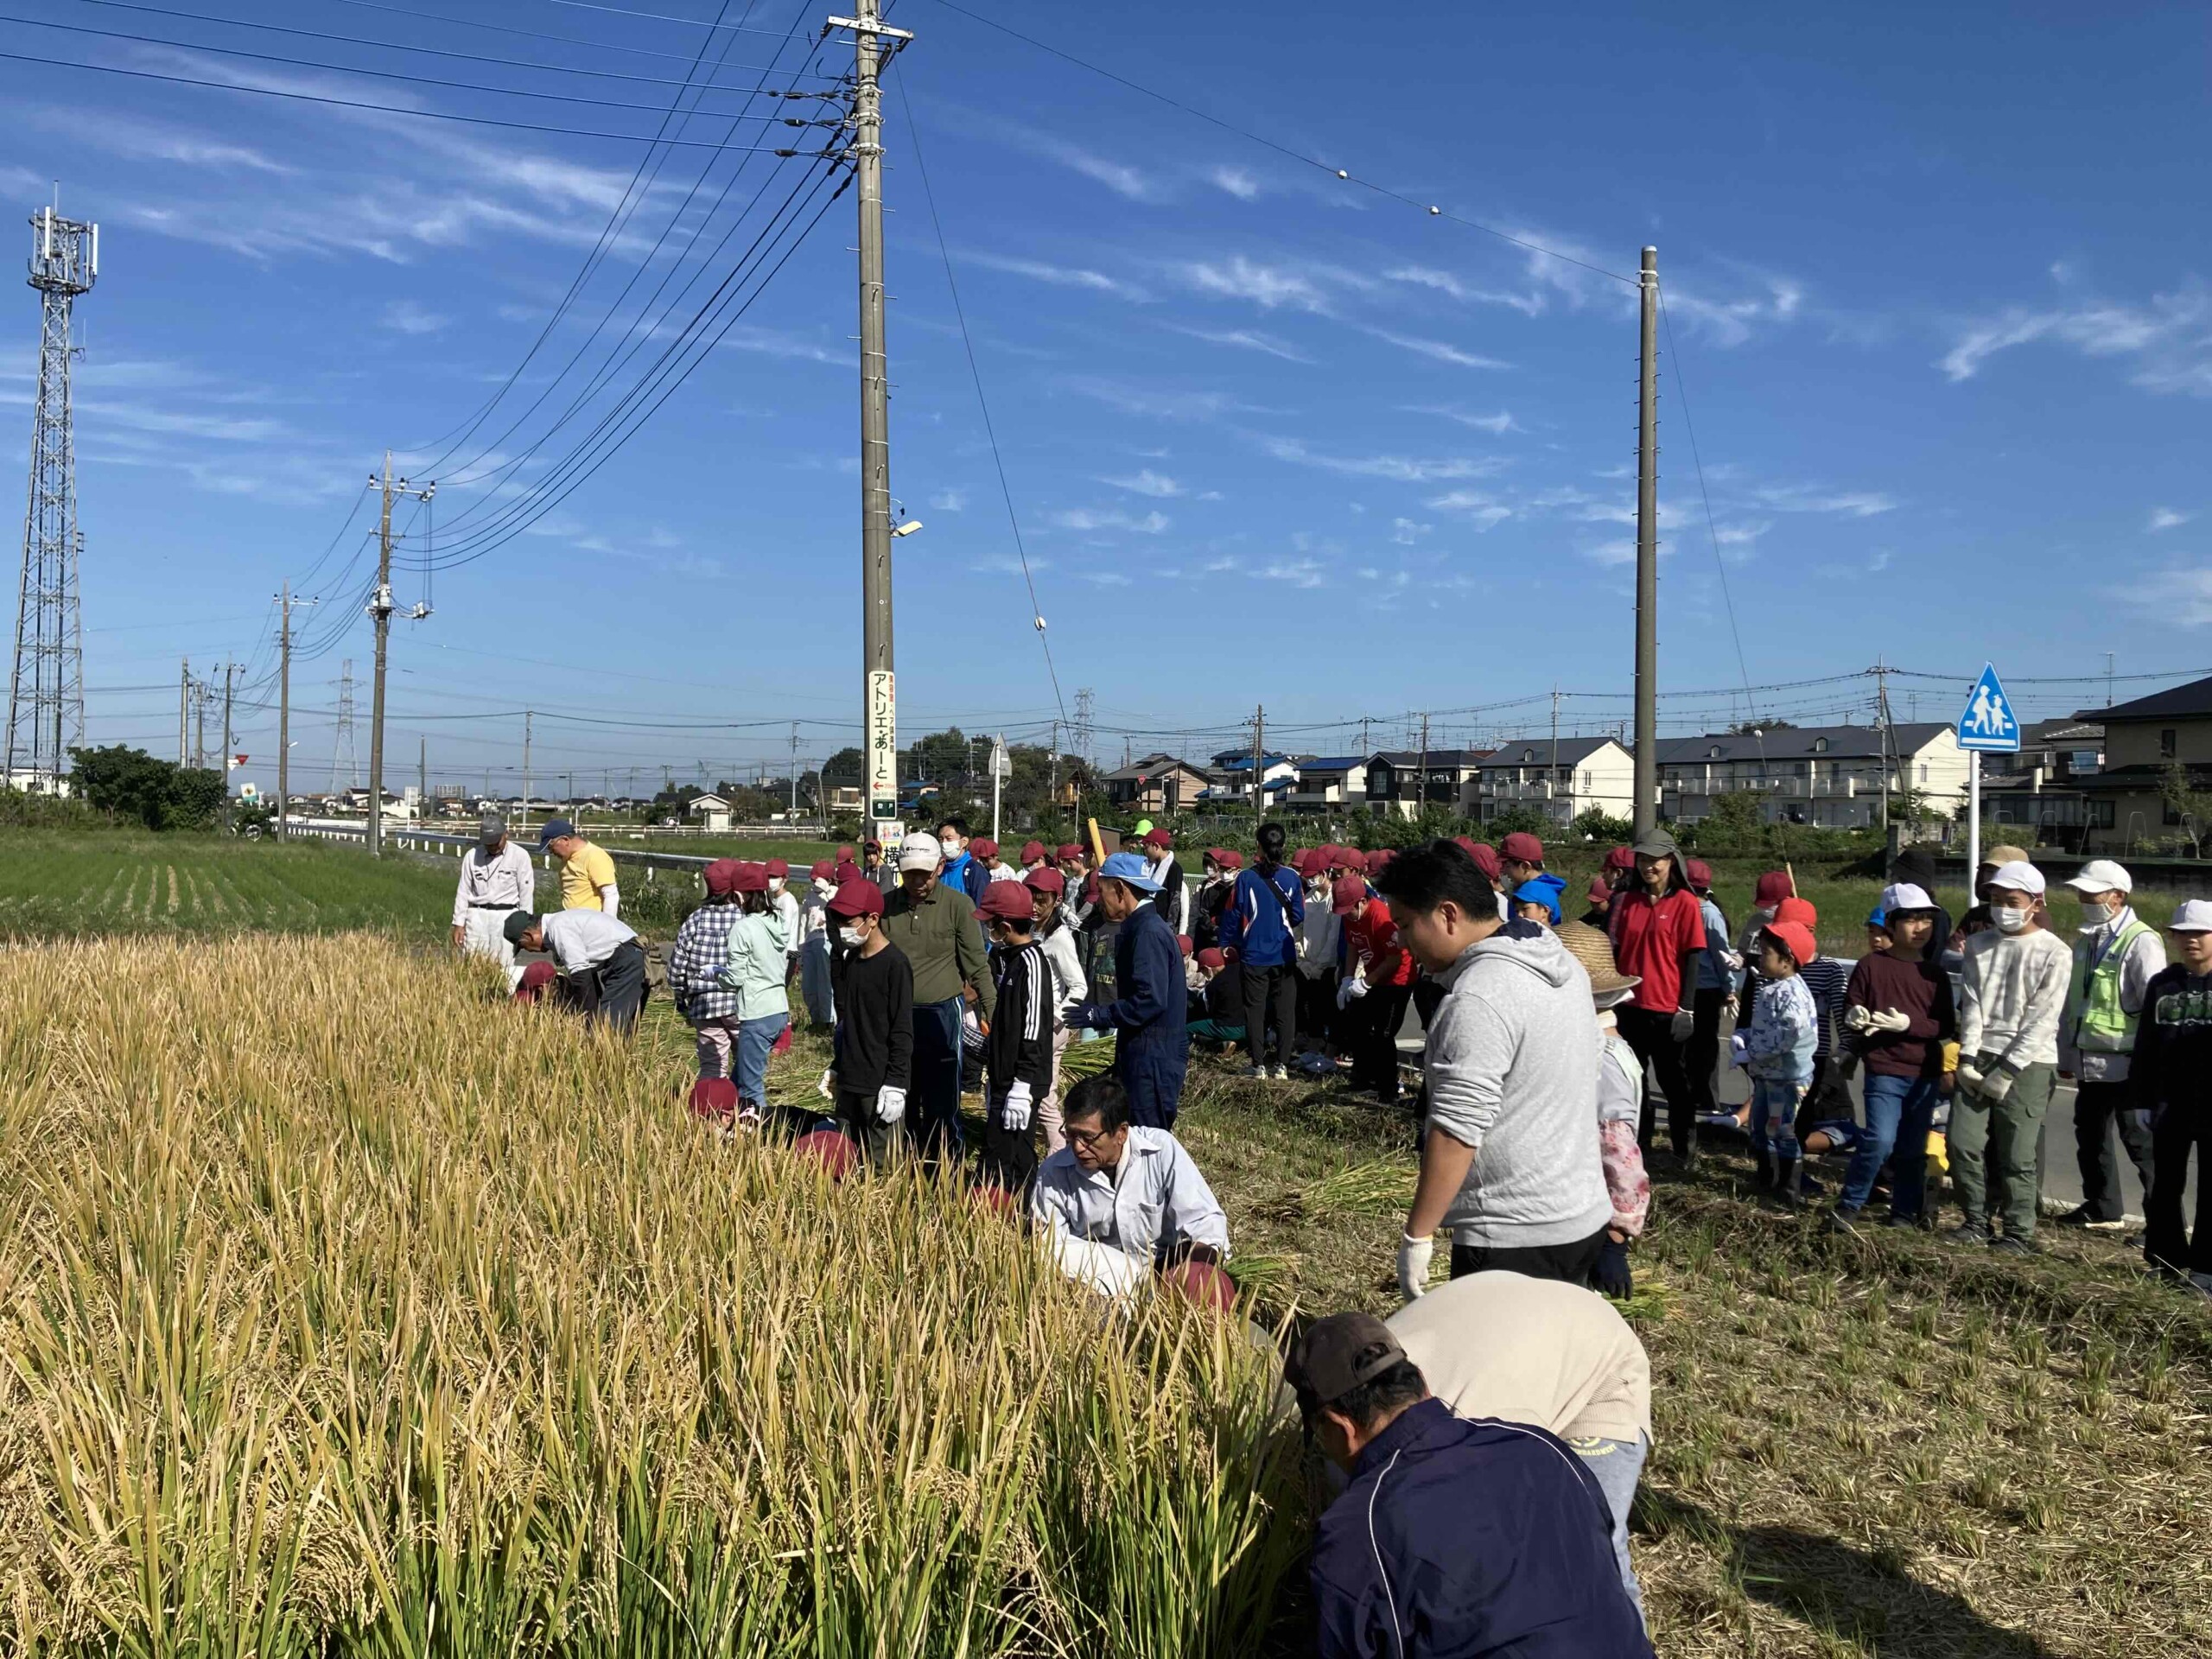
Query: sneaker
1719,1120
2008,1245
1279,1074
1969,1232
1843,1221
1893,1219
2201,1282
1257,1072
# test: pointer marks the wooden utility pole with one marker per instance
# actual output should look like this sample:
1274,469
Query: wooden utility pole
1259,759
1647,550
527,716
380,610
1551,795
229,667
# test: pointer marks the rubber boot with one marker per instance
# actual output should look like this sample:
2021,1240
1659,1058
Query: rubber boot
1789,1186
1765,1174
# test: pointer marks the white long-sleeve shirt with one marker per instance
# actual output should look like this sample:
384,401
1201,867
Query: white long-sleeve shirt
2144,960
2013,996
1151,1201
787,909
584,938
1069,985
506,879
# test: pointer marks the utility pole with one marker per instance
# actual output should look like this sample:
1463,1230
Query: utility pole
1646,551
380,607
422,777
1052,787
1423,768
284,711
1887,747
794,812
198,726
1259,759
228,667
1551,795
183,708
527,717
1363,750
879,703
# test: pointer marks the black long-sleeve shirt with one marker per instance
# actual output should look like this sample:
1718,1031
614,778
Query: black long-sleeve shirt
2172,1064
874,997
1020,1047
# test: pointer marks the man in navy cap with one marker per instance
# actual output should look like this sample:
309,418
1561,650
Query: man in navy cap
1153,1044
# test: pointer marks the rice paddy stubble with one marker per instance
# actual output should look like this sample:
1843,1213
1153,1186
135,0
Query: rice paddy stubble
344,1309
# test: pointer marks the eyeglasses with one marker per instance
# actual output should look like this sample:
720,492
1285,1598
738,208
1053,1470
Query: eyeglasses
1089,1138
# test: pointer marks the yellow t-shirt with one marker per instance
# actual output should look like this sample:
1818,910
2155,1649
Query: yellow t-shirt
582,876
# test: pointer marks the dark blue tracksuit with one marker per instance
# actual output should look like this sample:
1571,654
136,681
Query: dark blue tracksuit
1470,1537
1150,1021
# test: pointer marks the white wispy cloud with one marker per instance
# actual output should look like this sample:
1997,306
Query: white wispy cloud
2181,594
1497,425
142,140
1236,181
1440,350
1096,281
1251,340
1443,282
1299,573
1268,287
1404,469
1152,524
1741,535
1120,177
1102,577
1147,482
949,500
2166,518
406,317
1406,532
1610,554
777,342
1482,511
1808,498
1154,403
1732,321
2168,338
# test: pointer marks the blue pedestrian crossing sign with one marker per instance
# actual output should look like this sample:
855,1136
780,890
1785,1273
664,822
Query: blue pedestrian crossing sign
1988,723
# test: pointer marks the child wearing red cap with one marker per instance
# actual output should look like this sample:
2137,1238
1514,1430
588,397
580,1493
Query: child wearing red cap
814,944
1070,987
1377,985
754,968
1777,1051
873,985
702,944
1018,1047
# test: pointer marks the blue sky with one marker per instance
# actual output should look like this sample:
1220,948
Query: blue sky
1938,293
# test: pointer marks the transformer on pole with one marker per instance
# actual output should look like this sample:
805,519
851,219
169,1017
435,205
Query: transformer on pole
46,696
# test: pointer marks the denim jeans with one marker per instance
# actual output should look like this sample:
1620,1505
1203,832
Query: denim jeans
1898,1112
755,1039
1774,1117
1617,1465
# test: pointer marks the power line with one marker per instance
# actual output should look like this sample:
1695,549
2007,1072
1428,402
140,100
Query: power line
528,33
658,16
998,461
389,108
1341,174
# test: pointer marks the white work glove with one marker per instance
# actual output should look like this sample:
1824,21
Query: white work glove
1358,985
1970,1077
1013,1110
1996,1083
1857,1019
1729,1008
1414,1257
824,1088
1343,994
890,1104
1738,1050
1889,1019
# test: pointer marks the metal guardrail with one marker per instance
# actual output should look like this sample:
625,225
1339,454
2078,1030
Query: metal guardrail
433,841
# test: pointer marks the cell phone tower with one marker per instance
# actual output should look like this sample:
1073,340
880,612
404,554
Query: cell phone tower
46,698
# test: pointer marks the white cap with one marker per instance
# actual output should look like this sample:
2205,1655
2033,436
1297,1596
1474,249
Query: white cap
2103,875
919,852
2192,916
2020,875
1904,895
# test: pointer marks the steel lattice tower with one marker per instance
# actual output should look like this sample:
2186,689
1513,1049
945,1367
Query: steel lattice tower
341,753
46,698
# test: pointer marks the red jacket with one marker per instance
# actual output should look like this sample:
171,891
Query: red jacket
1648,940
1373,939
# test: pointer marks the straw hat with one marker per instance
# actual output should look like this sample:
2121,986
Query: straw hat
1595,952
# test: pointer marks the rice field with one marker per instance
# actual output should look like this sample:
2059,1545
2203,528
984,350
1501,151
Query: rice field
65,883
346,1309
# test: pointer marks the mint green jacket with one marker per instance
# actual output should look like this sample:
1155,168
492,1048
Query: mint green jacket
755,965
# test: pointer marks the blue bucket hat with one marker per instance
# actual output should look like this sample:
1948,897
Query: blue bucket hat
1878,917
1129,867
1544,890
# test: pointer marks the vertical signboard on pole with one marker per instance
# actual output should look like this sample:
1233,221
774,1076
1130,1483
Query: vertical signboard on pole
882,748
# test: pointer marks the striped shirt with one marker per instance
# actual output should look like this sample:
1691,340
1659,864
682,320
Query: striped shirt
703,943
1826,978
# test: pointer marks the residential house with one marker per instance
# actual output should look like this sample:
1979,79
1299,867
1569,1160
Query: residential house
1830,777
2145,742
1327,780
1231,776
1559,778
2039,787
1396,784
1159,783
712,811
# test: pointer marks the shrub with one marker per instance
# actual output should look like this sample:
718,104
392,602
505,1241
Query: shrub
159,794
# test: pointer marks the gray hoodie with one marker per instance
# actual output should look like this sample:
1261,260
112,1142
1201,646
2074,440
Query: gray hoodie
1512,1072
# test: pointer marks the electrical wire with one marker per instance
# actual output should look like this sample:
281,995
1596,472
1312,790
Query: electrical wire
524,34
657,16
976,373
387,109
372,42
1343,174
633,195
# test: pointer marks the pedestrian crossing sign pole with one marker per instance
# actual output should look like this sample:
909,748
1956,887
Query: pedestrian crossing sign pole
1987,725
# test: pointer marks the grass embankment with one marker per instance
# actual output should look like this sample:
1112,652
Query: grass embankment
345,1310
57,883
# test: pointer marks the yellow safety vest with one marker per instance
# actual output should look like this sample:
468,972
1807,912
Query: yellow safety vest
2093,1016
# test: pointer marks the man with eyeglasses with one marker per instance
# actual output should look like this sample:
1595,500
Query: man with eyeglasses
1122,1201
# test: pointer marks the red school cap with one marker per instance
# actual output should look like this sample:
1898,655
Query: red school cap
1523,847
1047,880
856,896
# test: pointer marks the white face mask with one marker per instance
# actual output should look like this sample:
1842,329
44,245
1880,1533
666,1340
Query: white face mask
2009,920
2095,914
951,848
826,888
851,937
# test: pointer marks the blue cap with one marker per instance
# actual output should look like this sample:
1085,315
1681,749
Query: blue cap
552,830
1129,867
1544,890
1877,917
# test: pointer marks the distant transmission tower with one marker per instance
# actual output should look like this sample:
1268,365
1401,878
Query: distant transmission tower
1084,701
46,698
341,756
